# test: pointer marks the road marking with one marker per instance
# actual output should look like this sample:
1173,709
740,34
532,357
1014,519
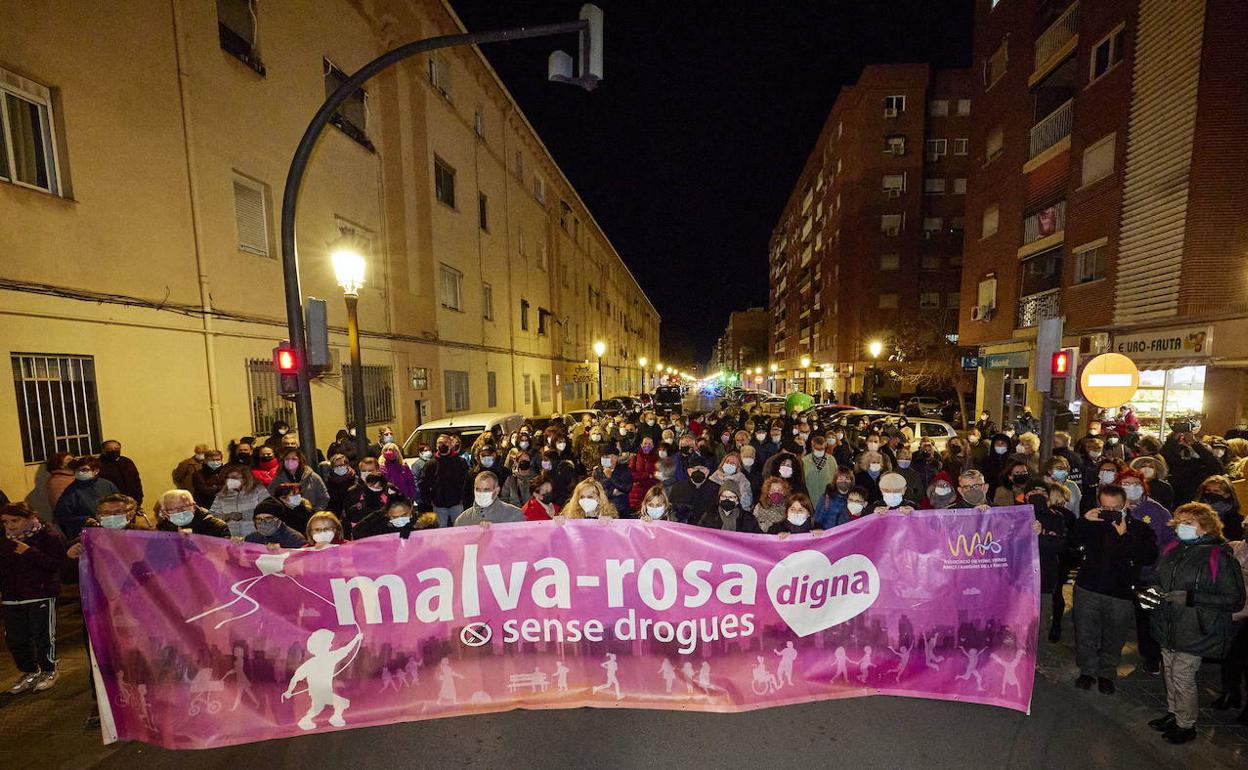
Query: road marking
586,581
476,634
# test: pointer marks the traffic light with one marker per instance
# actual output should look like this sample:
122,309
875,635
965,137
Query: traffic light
1059,371
286,362
1061,364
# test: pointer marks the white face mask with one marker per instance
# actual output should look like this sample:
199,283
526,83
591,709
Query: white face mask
872,446
483,499
855,507
199,457
399,522
425,455
1134,491
903,463
1107,477
116,521
233,484
650,422
294,501
655,511
729,469
341,470
875,467
487,462
798,517
605,461
1148,471
1000,449
748,462
181,519
942,491
547,465
1186,532
84,475
819,453
892,499
785,472
588,505
323,537
1020,449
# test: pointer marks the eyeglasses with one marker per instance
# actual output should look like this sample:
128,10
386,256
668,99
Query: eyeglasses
184,509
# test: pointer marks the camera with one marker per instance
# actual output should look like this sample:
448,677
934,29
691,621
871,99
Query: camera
1182,426
1112,517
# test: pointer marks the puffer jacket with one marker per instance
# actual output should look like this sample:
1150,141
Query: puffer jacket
1205,586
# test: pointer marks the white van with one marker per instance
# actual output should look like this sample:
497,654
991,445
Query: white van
466,426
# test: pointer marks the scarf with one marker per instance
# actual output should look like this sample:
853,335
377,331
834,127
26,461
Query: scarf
729,520
768,516
30,532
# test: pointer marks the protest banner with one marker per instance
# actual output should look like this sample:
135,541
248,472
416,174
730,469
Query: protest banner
200,642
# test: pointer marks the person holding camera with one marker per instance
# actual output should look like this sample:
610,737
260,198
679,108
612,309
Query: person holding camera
1190,462
1198,585
1116,547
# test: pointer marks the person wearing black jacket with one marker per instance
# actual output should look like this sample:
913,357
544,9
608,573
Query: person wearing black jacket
1116,546
397,517
693,497
179,513
728,515
1198,586
1190,462
368,495
31,555
443,482
799,516
271,530
1049,502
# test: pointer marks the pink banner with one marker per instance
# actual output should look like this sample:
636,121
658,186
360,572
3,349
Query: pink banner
201,642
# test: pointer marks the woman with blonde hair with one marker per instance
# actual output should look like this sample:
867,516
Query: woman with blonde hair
324,531
240,493
396,471
872,464
655,506
589,501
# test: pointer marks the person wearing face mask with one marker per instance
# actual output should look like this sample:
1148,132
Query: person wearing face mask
184,470
832,510
31,555
1057,471
385,435
856,505
1052,521
1217,493
1061,448
442,484
731,469
242,451
767,448
516,484
424,453
591,450
665,475
274,439
119,469
976,449
369,495
338,482
540,506
396,516
1189,461
642,468
265,467
770,509
1104,472
985,425
940,493
294,469
487,458
77,503
289,505
972,490
954,459
694,495
818,468
1014,479
269,529
799,516
237,499
752,469
564,449
178,512
649,426
1116,547
788,466
1197,587
487,507
995,460
1141,507
344,444
871,466
206,481
893,495
1154,470
324,531
655,506
615,478
588,501
396,471
915,488
562,473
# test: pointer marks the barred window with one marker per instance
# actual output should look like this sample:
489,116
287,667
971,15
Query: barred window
57,404
378,393
267,404
455,385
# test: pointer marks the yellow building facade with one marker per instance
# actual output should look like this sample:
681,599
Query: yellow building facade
144,151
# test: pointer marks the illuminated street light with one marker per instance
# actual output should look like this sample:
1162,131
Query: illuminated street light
641,374
600,347
348,262
805,362
875,348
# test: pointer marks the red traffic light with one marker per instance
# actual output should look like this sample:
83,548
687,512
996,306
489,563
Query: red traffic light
284,358
1061,363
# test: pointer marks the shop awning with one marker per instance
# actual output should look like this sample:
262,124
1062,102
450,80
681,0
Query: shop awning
1178,363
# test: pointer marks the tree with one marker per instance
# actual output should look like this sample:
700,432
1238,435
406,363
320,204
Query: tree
927,355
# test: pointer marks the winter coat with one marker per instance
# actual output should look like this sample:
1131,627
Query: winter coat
618,485
915,488
745,521
1205,586
339,489
56,483
77,504
642,467
442,483
1053,539
831,510
1112,562
311,486
183,472
35,573
691,502
124,475
516,487
284,536
205,483
296,518
870,484
203,523
235,508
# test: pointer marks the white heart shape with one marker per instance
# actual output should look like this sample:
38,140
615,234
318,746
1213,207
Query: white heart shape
830,594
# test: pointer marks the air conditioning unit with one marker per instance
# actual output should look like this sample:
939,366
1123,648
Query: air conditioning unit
893,192
982,312
890,112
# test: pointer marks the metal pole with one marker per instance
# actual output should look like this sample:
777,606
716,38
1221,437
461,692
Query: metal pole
599,378
299,165
360,422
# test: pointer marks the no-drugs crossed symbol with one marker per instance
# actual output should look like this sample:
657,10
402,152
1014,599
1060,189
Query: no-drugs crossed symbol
476,634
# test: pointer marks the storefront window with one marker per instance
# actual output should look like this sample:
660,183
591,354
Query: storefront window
1167,396
1015,394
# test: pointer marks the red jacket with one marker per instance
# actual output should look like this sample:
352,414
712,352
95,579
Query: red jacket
534,511
642,466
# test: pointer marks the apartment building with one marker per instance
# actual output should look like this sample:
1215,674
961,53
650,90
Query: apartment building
144,150
1108,186
868,248
743,345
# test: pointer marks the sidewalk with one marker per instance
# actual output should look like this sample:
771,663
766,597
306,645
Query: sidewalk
1141,697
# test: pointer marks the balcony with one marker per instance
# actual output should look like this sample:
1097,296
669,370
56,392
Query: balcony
1034,308
1052,129
1045,223
1058,35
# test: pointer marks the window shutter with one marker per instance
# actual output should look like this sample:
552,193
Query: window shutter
250,218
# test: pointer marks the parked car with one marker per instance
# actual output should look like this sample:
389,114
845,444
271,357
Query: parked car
822,414
632,407
646,400
668,399
772,406
923,406
468,427
576,415
925,428
610,406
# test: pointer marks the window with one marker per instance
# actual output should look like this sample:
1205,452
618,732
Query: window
440,75
891,224
894,184
267,405
524,315
929,262
478,124
251,216
893,106
539,188
890,262
988,227
541,254
895,144
491,389
959,186
236,31
934,185
929,300
352,115
443,181
938,108
953,300
935,149
888,301
519,164
542,320
932,225
964,107
1090,261
1106,54
451,283
1098,160
565,213
960,146
543,384
378,393
994,66
526,379
455,385
487,302
27,137
483,212
995,145
57,404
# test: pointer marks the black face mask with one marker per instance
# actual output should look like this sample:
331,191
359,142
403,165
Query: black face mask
727,506
548,497
1019,478
697,477
524,465
443,449
110,455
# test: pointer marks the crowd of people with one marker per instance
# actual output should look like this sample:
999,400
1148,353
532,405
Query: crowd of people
1151,530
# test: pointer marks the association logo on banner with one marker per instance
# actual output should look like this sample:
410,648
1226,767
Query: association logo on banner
978,550
810,593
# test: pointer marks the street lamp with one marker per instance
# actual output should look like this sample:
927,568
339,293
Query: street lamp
805,374
875,348
641,374
600,348
348,264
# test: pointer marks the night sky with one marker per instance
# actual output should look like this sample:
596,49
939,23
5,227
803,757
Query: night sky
687,151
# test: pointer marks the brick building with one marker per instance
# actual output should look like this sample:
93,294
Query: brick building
868,248
1109,185
743,343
